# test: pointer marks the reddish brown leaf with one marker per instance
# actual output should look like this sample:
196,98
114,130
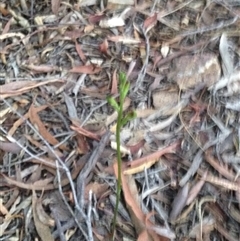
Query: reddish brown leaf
103,47
114,89
74,34
36,121
147,161
42,68
135,148
80,52
86,69
150,22
82,144
93,19
84,132
97,188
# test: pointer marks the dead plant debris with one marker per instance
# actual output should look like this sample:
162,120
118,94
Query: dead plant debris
59,60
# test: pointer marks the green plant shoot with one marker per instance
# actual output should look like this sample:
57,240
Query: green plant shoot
124,86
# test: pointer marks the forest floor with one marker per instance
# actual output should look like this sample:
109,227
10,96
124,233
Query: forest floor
59,60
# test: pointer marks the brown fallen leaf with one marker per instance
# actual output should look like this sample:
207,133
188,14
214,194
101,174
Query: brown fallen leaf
80,52
76,127
114,89
145,229
42,215
223,170
86,69
82,144
97,188
147,161
196,189
42,68
132,200
135,148
150,22
103,47
36,121
42,229
20,87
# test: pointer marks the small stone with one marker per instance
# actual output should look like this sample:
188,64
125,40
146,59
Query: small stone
165,98
191,70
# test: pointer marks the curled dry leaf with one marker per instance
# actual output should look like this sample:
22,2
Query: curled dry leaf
42,215
150,22
103,47
42,229
36,121
144,228
223,183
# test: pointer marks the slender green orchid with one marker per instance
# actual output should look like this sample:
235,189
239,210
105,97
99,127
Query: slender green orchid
122,119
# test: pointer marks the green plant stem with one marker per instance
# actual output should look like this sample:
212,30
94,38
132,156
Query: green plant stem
119,163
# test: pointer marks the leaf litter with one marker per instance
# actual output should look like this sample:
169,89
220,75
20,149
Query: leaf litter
58,63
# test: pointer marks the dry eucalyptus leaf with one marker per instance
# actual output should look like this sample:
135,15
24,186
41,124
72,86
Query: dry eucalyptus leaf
42,229
179,202
42,215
